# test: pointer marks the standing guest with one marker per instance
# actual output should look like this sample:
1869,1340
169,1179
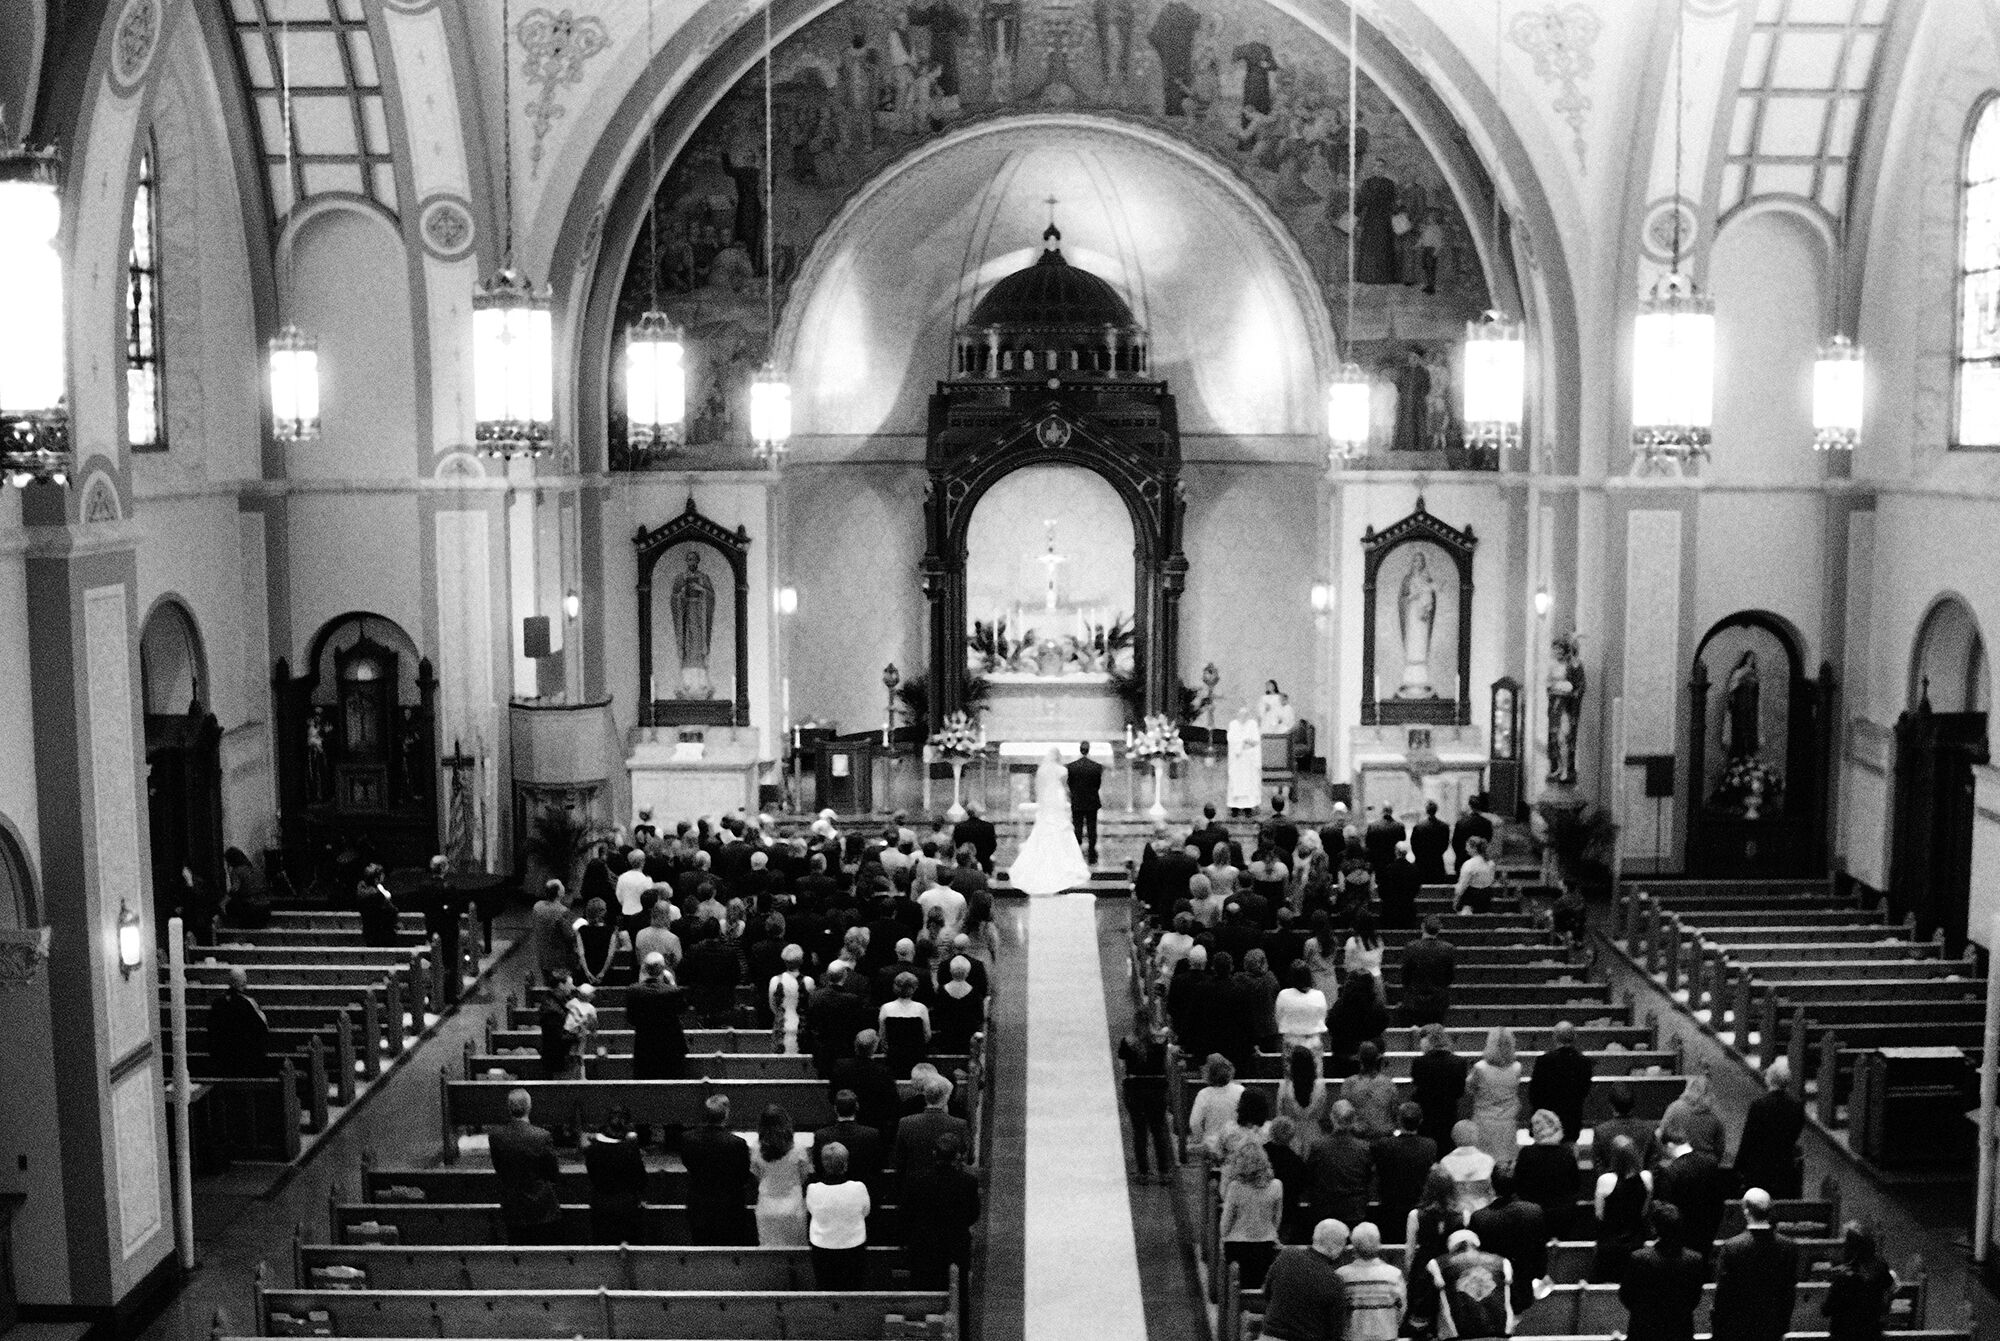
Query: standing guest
524,1161
1562,1080
835,1016
1304,1297
868,1076
1756,1277
1403,1162
1373,1292
718,1180
1470,1168
1322,955
1222,873
1475,1290
653,1011
1204,903
1173,946
1397,886
1289,1168
867,1154
1279,830
1476,877
1663,1283
958,1010
1301,1012
1253,1111
1621,1199
1437,1083
630,891
1430,839
1546,1172
657,936
379,914
1495,1086
837,1209
617,1174
905,1024
1144,1089
1304,1096
239,1035
1767,1153
1267,875
789,992
1429,963
554,933
948,902
977,832
1470,824
1357,1017
1211,832
1342,1167
1432,1222
1515,1228
441,907
1857,1299
1372,1094
1382,837
1253,1205
782,1171
917,1135
1363,952
1693,1115
597,876
246,901
600,941
1697,1184
1643,1135
1257,978
939,1208
1214,1107
556,1040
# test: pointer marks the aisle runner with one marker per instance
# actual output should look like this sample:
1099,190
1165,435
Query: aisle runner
1082,1274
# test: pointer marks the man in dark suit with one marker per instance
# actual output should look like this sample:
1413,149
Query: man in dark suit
917,1135
1403,1161
978,831
880,1103
1396,887
1429,964
239,1037
1437,1082
866,1152
718,1180
1562,1080
1470,825
1694,1183
1767,1155
1756,1277
940,1207
1517,1230
1340,1166
1086,784
1210,833
1280,832
524,1157
1662,1285
1644,1135
834,1016
1429,837
1382,837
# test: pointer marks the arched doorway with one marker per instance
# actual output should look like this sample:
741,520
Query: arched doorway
1938,740
183,753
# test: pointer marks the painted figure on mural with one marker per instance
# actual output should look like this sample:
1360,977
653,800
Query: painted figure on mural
1416,614
1744,695
1565,707
1172,38
1000,24
692,601
1413,403
947,28
1114,20
1375,217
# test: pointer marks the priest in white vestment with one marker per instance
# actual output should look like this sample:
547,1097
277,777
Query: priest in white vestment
1246,761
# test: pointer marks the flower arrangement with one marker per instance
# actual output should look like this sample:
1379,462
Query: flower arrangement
1751,784
957,739
1159,739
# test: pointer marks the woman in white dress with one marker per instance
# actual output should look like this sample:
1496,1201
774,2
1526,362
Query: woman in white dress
1051,861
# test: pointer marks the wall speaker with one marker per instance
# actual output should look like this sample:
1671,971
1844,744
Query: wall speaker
535,636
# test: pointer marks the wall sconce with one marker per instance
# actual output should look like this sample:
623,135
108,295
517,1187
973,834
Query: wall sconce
1543,602
572,605
131,953
785,600
1322,597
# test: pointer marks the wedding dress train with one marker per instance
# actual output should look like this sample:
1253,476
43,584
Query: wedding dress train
1051,861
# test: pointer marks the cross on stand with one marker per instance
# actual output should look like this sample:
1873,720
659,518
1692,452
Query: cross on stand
1051,560
458,826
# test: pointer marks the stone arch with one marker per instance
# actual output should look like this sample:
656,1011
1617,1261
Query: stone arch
173,662
1948,665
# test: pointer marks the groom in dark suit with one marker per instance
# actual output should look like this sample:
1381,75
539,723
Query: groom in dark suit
1086,781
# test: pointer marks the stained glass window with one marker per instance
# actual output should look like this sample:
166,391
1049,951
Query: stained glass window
145,404
1979,287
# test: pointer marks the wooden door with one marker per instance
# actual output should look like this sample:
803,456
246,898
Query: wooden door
1930,868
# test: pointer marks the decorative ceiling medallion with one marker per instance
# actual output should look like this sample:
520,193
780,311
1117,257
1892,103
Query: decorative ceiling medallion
446,225
1053,432
557,43
134,39
1657,236
1560,37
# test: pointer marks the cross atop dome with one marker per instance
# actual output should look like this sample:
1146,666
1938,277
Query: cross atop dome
1052,235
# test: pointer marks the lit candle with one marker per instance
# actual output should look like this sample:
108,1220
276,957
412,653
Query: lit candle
885,734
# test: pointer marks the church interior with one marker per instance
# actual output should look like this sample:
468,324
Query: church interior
446,445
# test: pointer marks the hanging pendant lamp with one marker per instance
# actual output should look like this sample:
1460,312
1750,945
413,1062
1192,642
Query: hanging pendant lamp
655,358
34,419
1496,355
513,340
1838,376
1350,395
292,356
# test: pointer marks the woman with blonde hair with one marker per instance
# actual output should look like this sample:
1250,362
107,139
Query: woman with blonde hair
1214,1107
1495,1087
1546,1172
1694,1116
1253,1204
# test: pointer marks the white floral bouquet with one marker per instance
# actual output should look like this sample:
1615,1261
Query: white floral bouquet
957,739
1160,739
1748,777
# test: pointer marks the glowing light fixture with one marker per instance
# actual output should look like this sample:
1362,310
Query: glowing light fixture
131,950
34,420
785,600
1838,376
1322,597
572,605
1543,602
293,357
1673,349
513,342
1348,395
770,393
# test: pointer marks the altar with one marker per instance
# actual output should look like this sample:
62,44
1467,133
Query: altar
711,771
1083,705
1405,766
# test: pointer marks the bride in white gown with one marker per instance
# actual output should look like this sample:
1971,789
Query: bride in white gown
1051,861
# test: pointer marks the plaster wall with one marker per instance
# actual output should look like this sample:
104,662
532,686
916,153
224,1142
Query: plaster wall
354,551
1766,274
1759,551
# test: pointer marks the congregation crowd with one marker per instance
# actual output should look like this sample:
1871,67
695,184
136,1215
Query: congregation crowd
1284,954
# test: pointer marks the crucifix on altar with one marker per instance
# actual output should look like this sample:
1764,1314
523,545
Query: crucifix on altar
1051,561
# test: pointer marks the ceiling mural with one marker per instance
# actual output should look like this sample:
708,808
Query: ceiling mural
868,80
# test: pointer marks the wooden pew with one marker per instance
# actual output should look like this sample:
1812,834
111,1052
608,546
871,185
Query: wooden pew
586,1103
1271,1065
395,1267
1650,1095
714,1066
256,1118
467,1184
333,919
1810,992
1887,939
1876,970
380,958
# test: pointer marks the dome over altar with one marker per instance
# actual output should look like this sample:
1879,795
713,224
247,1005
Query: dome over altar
1052,293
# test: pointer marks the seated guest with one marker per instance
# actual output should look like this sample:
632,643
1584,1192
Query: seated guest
1642,1134
1253,1204
524,1161
239,1036
1767,1153
1516,1229
1622,1196
1304,1297
1372,1094
917,1136
1470,1168
1546,1172
1857,1299
1663,1283
617,1182
1403,1162
837,1210
1374,1295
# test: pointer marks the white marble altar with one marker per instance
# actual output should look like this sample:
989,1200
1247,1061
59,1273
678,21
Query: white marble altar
710,776
1082,706
1405,766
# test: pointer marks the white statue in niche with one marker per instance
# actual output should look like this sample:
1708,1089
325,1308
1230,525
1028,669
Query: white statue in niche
1416,612
692,600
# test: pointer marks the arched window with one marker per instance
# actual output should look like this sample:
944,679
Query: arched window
145,384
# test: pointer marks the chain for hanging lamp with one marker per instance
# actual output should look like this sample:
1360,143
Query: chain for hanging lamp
291,356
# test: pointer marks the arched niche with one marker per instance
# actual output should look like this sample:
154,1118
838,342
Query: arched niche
24,939
183,746
1948,661
690,697
1939,741
1756,754
173,668
1420,561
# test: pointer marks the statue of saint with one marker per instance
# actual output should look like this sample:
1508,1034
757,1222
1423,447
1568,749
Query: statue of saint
1565,708
692,601
1743,693
1416,613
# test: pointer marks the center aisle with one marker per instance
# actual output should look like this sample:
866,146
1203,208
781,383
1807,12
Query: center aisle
1082,1266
